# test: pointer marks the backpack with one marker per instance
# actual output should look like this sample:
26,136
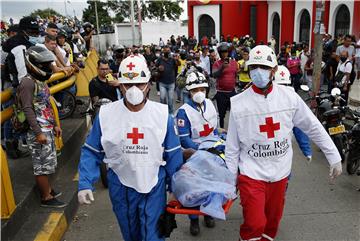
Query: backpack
18,118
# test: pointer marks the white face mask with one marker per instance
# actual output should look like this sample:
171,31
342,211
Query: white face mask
134,95
199,97
260,77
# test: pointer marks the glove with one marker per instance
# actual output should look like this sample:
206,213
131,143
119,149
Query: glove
85,196
335,170
309,159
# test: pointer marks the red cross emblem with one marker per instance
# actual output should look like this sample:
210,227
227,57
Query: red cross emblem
130,66
206,130
135,136
270,127
282,73
258,52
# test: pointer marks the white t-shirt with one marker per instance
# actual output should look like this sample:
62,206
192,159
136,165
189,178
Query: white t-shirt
345,68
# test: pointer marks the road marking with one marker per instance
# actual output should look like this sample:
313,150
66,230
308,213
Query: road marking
54,228
76,177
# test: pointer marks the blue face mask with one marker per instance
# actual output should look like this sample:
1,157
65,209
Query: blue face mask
36,40
260,77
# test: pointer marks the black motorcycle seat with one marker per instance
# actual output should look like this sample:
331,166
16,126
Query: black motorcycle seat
331,112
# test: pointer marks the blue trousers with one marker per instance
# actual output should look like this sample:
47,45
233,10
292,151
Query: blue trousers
138,213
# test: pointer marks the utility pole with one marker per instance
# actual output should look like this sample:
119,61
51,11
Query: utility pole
97,18
65,8
318,46
132,21
140,20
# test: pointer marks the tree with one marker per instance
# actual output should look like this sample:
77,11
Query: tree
103,14
159,10
44,13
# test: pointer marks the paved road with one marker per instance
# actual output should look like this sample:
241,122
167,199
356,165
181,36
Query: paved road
315,210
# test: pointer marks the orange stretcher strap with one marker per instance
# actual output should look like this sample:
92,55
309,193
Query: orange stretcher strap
175,207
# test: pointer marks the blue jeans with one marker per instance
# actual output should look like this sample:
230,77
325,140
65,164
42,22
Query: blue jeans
167,95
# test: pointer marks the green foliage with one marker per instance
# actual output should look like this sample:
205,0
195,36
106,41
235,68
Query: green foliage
160,10
44,13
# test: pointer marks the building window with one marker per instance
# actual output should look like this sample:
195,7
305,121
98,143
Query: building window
253,18
206,26
304,30
342,20
276,30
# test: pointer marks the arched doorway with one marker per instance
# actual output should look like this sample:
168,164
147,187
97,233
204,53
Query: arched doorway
304,30
342,20
206,26
276,30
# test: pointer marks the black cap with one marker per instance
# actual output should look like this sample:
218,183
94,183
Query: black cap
52,25
13,28
28,23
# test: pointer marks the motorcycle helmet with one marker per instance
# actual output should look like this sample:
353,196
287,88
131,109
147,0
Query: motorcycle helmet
223,47
38,62
282,76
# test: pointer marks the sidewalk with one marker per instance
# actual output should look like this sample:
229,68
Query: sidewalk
354,95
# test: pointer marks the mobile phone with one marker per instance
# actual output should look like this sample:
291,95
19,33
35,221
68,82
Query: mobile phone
109,77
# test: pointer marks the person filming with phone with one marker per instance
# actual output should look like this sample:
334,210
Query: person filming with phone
224,70
103,86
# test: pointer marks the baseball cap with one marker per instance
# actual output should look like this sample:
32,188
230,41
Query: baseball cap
28,23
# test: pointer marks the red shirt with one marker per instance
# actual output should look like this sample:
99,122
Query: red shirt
226,82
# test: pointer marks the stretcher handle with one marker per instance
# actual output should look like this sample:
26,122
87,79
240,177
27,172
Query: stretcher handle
175,207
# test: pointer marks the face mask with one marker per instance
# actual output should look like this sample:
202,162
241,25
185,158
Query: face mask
36,40
134,95
157,55
183,56
343,59
166,54
260,77
199,97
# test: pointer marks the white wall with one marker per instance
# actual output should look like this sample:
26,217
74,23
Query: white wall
102,41
211,10
153,31
334,7
299,8
123,34
273,7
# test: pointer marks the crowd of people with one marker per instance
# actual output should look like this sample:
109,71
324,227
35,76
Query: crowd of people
136,137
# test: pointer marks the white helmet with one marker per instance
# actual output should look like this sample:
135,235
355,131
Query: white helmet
196,80
262,55
133,69
282,76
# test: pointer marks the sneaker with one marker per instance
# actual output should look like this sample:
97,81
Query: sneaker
55,194
52,203
194,227
158,93
209,222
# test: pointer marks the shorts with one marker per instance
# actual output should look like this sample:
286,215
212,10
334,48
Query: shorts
43,155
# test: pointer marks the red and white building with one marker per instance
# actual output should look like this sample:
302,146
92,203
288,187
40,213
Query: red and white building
286,20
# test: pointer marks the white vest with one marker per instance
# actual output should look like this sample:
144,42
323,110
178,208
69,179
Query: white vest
199,126
132,142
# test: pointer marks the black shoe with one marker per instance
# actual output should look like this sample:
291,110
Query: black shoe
209,221
52,203
55,194
194,227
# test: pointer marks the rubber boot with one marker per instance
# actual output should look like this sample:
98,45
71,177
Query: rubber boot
209,221
194,227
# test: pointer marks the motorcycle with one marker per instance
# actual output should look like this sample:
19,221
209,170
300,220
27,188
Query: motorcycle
319,103
353,157
333,122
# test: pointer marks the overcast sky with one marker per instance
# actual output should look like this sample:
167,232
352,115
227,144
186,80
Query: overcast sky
16,8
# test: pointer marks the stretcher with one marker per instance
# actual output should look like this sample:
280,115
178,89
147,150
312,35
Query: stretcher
175,207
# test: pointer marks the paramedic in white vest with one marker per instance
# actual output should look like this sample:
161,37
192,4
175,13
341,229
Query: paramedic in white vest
259,149
196,119
137,138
